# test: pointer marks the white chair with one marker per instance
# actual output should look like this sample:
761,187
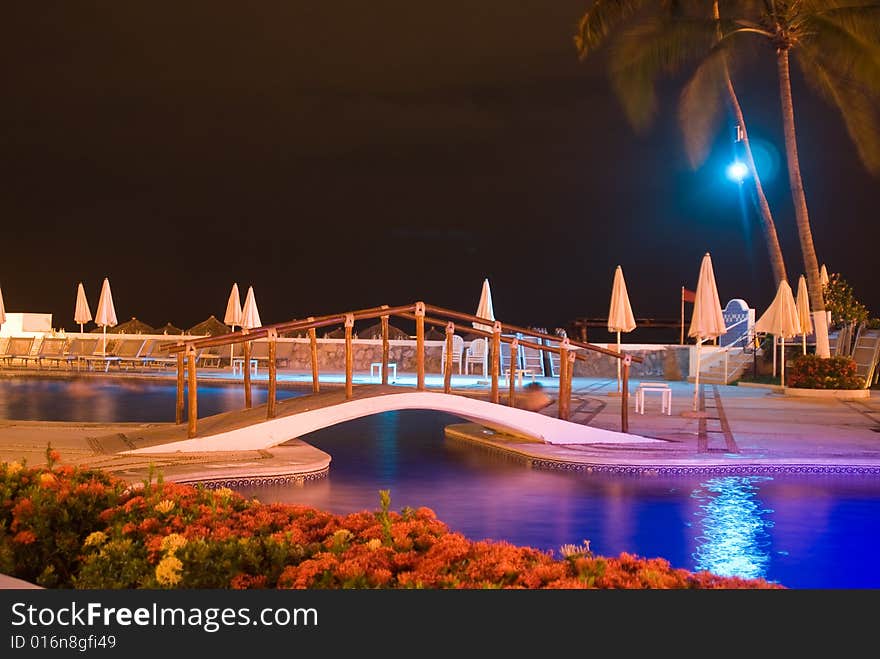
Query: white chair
457,353
478,353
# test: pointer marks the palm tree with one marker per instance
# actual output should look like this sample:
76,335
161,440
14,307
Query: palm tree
595,27
837,43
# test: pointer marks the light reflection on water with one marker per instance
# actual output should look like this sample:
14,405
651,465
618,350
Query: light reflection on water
734,527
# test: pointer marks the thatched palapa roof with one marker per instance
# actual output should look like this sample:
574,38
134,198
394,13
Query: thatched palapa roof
133,326
168,328
211,327
375,332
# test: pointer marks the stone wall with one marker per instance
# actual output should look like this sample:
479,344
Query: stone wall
331,354
662,362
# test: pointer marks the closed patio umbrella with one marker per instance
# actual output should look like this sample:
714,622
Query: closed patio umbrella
781,320
233,315
2,310
250,316
803,308
82,314
484,308
707,321
620,315
106,315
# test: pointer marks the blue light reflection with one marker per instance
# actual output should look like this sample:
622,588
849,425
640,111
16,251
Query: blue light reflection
734,538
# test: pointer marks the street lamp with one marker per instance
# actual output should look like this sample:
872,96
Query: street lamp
737,171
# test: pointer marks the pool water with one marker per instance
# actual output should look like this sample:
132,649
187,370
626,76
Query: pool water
800,531
107,401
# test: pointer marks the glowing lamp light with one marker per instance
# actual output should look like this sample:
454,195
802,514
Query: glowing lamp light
737,171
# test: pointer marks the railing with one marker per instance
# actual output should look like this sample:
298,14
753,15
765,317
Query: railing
743,341
567,349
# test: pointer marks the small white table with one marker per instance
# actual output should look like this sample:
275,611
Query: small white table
665,396
376,370
238,366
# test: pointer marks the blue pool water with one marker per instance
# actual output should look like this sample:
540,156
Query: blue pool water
800,531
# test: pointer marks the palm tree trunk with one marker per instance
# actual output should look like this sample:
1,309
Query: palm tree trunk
799,199
777,263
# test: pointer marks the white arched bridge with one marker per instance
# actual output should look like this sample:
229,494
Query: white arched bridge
254,428
250,430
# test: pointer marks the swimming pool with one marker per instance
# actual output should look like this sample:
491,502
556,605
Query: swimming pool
800,531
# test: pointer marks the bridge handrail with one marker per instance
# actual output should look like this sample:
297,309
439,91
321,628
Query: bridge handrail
567,349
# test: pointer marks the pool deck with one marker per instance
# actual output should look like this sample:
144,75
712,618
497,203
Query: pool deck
743,429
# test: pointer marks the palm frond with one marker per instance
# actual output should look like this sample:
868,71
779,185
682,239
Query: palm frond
862,22
842,53
599,21
700,106
858,108
651,49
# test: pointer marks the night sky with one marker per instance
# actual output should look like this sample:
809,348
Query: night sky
344,155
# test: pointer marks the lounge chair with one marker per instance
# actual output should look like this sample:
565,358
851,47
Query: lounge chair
20,348
532,358
478,354
866,354
78,349
156,355
129,353
123,349
52,349
554,357
457,353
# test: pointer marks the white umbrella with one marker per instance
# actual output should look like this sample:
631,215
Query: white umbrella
2,310
620,315
233,315
803,308
106,315
82,314
250,316
484,308
781,319
707,321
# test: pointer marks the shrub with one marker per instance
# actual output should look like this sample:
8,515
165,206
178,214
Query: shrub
812,372
94,532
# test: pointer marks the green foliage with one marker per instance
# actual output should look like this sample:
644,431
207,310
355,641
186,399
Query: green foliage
841,301
812,372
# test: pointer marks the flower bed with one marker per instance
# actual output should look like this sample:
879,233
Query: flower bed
812,372
63,527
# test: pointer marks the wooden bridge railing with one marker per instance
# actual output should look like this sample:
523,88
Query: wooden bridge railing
567,350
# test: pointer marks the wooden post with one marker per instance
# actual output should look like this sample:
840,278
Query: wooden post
447,367
681,342
420,346
313,341
495,356
192,394
624,395
349,357
273,368
179,415
564,394
384,348
248,401
514,354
